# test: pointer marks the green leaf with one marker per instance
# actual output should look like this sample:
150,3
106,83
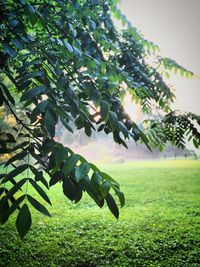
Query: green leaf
113,120
123,128
69,47
196,143
77,52
15,172
94,168
69,188
96,181
4,206
11,138
39,176
15,188
7,93
104,188
2,175
50,119
20,146
78,193
17,43
109,178
2,189
12,208
70,164
24,221
56,178
38,110
120,195
39,189
81,171
112,205
9,50
92,25
62,153
34,92
38,206
104,109
18,156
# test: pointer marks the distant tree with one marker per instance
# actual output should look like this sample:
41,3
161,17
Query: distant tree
66,62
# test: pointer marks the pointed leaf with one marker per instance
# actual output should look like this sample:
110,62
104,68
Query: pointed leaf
38,206
15,172
4,206
104,188
112,205
81,171
69,188
39,176
70,164
18,156
39,189
24,221
33,93
113,120
7,93
69,47
15,188
96,181
12,208
104,109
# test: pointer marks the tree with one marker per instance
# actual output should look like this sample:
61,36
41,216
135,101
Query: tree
66,62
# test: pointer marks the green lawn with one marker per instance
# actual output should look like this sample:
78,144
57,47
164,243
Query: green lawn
159,226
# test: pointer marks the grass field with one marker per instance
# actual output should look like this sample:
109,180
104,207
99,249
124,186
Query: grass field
159,226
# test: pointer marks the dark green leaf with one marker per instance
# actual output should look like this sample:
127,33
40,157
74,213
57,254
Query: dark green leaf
81,171
56,178
196,143
113,120
15,188
2,189
41,192
18,156
4,206
69,188
50,119
11,138
9,50
7,93
104,109
24,221
112,205
38,90
78,193
39,176
38,206
69,47
22,145
2,175
109,178
94,168
70,163
96,181
104,188
17,43
120,195
15,172
38,110
12,208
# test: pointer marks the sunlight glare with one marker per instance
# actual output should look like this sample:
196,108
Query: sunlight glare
131,108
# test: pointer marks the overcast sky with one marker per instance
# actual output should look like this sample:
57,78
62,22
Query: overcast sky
174,26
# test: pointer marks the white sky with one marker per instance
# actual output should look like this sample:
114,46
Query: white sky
174,26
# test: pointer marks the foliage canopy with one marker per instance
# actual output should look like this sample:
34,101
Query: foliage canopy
65,61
